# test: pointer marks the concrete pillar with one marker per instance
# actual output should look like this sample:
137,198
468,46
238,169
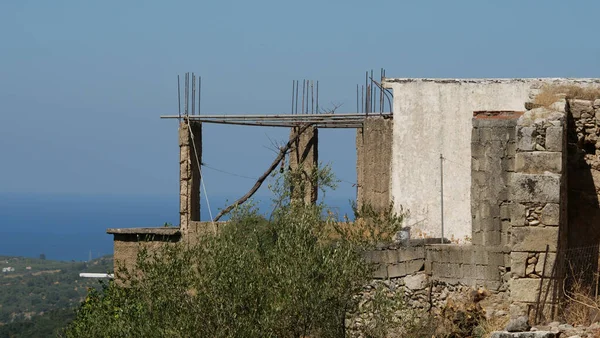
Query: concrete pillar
189,173
304,160
373,162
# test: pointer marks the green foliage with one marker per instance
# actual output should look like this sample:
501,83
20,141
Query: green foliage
36,301
256,278
47,325
371,226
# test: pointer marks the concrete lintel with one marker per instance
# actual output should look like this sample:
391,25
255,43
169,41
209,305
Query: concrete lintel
164,231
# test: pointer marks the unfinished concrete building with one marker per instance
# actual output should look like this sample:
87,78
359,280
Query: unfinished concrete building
501,178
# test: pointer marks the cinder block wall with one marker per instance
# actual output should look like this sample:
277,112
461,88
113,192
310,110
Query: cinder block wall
493,149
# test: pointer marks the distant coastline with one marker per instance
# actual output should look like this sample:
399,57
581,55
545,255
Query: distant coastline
68,226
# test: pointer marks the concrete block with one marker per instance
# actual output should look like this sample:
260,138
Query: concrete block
511,148
495,259
492,273
477,151
380,272
518,262
505,212
554,139
526,138
415,266
535,188
551,214
397,270
411,253
477,237
538,162
474,134
534,239
492,237
466,271
453,254
479,257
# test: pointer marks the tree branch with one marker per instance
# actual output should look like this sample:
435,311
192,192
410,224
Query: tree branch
266,174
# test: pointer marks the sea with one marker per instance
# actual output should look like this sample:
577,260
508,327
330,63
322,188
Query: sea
72,227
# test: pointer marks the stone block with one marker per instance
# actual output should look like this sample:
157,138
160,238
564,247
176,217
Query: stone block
539,267
517,214
530,334
538,162
416,282
535,187
596,104
525,289
534,238
518,262
526,138
578,107
554,139
551,214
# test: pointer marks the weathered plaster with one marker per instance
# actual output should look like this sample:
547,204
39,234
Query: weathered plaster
433,117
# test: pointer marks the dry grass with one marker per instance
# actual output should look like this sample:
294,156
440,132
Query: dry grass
583,305
552,93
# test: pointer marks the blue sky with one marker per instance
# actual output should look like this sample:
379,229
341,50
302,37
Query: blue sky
82,83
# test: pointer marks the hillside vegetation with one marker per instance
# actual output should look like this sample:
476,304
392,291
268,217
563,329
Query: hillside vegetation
39,295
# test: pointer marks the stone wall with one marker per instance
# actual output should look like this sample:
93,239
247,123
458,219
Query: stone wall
537,213
475,266
373,162
584,172
493,149
396,262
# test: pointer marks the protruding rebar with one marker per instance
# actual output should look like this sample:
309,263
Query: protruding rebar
297,85
178,96
312,97
293,89
199,92
193,94
303,90
186,93
317,96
